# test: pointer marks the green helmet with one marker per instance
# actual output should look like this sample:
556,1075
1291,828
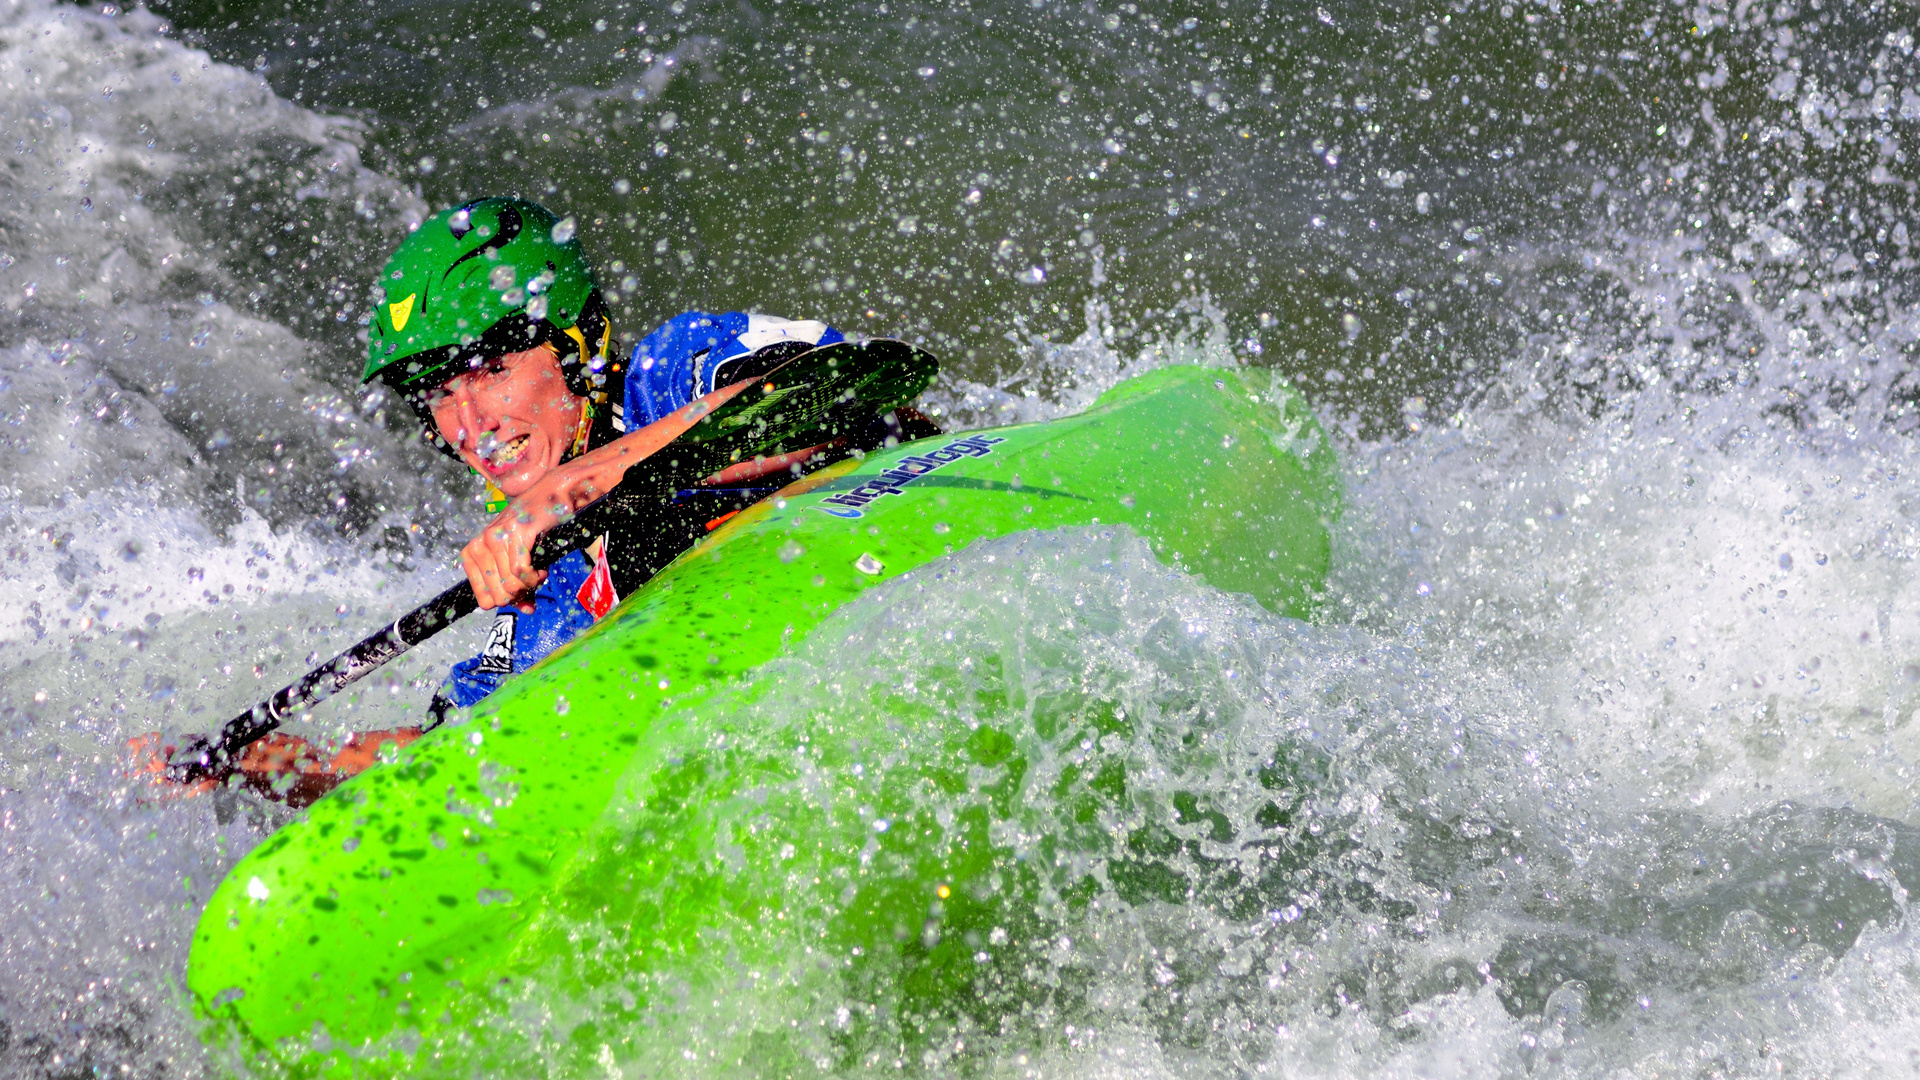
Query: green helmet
490,277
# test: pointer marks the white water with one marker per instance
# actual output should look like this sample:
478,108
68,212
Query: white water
141,589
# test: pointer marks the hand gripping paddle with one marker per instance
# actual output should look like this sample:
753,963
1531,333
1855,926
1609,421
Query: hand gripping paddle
796,401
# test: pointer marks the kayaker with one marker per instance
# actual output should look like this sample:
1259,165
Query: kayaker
487,322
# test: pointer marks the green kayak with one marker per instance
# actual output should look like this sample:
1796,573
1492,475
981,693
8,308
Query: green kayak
604,871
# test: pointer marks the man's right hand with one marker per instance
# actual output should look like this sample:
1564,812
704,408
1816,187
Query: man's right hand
499,562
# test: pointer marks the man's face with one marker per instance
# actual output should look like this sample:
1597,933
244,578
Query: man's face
513,418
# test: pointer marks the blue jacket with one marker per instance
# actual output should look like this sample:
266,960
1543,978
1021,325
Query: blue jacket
669,367
676,363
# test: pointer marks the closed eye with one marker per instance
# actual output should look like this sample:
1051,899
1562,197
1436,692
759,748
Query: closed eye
482,373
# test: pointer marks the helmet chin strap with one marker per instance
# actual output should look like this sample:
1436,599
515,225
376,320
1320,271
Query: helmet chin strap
581,430
596,395
587,373
496,499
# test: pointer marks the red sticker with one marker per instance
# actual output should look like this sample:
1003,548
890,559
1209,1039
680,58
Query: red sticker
596,594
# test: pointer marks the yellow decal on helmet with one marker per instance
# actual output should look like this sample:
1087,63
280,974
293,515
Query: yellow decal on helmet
401,311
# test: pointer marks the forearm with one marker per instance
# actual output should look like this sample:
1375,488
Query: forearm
599,471
281,753
289,769
596,472
362,749
764,466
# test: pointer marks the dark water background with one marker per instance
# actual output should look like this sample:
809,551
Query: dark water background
1612,303
1442,173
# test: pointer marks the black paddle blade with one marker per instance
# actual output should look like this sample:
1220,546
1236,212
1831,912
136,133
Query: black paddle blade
816,397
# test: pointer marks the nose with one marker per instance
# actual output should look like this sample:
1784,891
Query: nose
469,419
466,415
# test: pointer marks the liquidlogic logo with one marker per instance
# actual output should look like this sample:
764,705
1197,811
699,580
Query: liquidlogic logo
893,481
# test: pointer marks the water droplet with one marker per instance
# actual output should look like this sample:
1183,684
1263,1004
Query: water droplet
501,277
622,186
561,706
790,551
563,229
1786,561
1567,1006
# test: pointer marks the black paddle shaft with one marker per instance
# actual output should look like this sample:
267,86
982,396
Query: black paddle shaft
209,757
855,382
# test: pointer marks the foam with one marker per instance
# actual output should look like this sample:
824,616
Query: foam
178,467
131,154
